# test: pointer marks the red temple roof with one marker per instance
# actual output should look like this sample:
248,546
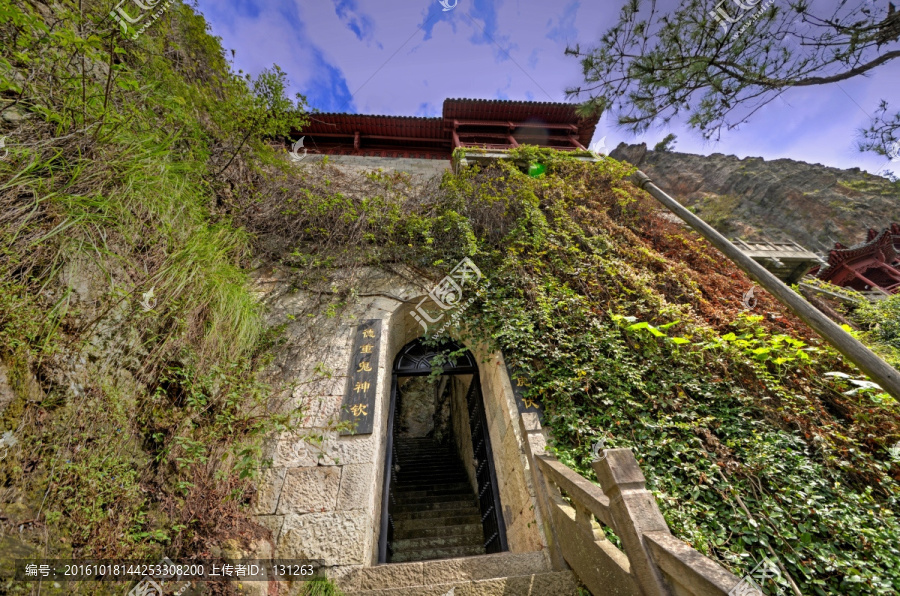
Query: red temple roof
870,265
495,124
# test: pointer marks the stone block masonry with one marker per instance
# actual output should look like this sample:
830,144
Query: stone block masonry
420,168
319,497
322,498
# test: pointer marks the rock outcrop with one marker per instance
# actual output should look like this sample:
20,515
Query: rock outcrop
777,200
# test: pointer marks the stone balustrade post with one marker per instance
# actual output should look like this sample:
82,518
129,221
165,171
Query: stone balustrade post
634,511
536,444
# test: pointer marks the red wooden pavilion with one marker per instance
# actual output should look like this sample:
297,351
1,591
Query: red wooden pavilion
870,265
486,123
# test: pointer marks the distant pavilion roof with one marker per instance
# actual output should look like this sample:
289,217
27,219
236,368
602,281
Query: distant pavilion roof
487,123
873,265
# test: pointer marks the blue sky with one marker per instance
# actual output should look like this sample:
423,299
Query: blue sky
405,57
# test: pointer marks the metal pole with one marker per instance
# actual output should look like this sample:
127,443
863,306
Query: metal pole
869,362
386,482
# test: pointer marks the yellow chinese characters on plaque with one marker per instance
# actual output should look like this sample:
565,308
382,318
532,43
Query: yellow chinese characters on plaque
362,379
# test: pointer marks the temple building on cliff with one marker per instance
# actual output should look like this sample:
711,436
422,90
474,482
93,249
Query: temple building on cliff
871,267
424,145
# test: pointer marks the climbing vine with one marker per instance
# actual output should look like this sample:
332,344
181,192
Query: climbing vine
632,330
757,439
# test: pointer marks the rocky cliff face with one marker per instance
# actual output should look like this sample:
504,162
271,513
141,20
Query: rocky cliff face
783,199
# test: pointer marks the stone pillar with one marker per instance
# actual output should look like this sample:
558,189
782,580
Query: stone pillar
634,511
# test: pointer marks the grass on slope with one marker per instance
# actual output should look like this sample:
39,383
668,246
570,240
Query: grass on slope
128,333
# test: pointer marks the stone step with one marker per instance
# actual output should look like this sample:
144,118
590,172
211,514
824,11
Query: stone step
427,458
422,452
420,524
415,473
436,489
423,499
561,583
436,515
507,574
451,508
468,538
430,484
423,479
428,468
432,554
431,503
451,460
439,502
432,531
431,466
429,496
452,501
433,507
410,473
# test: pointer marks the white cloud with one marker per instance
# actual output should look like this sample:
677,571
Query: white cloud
816,124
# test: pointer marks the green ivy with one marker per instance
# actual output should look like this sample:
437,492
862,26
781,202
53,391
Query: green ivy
632,330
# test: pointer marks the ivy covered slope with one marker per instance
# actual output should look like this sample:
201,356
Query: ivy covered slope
878,322
633,331
138,188
131,405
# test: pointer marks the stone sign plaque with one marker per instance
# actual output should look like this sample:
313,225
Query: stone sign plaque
362,379
520,383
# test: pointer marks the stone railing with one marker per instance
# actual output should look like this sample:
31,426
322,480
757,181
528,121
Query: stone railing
654,563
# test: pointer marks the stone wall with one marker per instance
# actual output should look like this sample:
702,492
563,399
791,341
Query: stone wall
423,168
517,494
415,407
423,408
322,498
462,433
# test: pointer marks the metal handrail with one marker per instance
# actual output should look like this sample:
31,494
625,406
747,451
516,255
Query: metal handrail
880,371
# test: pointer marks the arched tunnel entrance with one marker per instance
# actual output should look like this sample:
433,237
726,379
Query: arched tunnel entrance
440,497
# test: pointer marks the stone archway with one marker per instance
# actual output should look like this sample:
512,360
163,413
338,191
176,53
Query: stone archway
323,500
440,494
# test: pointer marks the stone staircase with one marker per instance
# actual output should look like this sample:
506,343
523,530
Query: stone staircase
434,509
502,574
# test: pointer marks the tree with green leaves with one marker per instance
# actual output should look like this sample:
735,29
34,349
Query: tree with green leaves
720,61
667,144
266,112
